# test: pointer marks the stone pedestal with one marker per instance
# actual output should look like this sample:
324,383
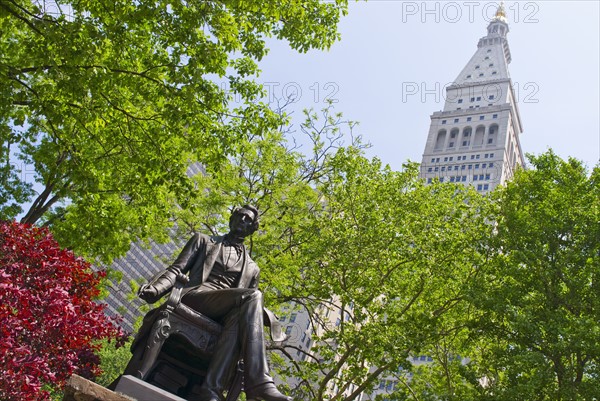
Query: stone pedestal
142,391
129,388
80,389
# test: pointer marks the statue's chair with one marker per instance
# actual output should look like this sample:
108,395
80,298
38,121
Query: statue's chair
179,348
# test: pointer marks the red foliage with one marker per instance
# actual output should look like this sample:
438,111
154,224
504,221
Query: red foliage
48,319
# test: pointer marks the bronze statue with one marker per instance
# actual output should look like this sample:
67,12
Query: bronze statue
223,285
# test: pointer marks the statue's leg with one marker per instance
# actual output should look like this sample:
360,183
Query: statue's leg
225,355
259,385
218,304
252,339
222,306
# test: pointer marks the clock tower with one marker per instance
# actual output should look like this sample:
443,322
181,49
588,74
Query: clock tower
475,139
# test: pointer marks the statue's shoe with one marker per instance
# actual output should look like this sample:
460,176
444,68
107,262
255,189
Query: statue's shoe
266,392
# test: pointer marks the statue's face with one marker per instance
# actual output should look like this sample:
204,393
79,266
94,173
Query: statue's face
242,223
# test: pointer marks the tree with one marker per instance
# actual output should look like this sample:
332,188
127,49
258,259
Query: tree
107,104
539,299
48,318
380,262
342,232
114,357
271,172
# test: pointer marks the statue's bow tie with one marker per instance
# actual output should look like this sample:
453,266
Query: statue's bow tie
239,246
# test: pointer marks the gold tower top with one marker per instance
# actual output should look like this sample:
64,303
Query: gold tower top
500,13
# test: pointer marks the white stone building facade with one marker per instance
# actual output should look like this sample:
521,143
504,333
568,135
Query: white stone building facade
474,140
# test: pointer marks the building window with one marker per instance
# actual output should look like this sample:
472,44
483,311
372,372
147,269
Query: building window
445,159
433,160
477,157
487,57
472,157
460,100
465,143
481,117
491,97
468,76
288,330
456,120
487,176
477,166
472,99
478,98
464,178
455,168
475,177
481,75
443,121
491,165
476,67
429,180
486,187
443,168
491,65
495,116
437,160
450,159
468,119
479,187
451,145
430,169
490,140
451,179
293,317
480,177
489,50
494,73
462,167
470,167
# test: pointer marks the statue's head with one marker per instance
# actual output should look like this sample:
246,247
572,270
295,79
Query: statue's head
244,221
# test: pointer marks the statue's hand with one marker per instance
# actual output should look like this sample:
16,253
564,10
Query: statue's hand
148,293
181,277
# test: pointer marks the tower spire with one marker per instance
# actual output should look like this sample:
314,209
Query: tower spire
500,13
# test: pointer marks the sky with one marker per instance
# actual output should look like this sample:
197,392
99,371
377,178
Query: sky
389,48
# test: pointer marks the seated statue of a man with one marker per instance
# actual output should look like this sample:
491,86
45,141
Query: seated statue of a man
223,285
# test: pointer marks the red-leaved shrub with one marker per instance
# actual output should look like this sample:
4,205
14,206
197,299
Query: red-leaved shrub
48,318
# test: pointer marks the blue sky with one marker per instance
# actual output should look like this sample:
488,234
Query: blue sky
388,47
